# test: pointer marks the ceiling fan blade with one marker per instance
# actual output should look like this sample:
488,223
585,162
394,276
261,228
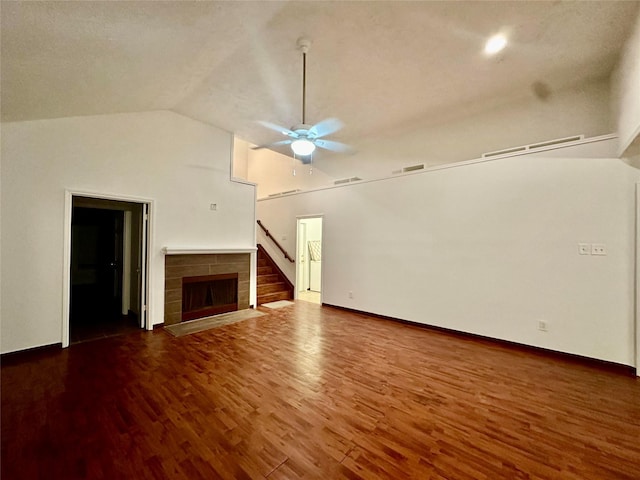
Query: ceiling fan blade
278,128
334,146
274,144
325,127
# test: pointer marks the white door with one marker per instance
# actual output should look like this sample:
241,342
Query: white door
142,269
302,266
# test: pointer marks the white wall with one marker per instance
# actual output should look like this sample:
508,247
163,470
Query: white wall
488,248
240,162
181,164
479,128
274,173
626,85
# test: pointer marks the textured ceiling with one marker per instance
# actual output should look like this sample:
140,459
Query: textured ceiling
375,65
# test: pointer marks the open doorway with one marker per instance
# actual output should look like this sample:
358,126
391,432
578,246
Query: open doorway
309,264
107,274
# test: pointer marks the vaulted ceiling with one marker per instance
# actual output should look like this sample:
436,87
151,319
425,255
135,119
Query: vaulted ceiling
374,65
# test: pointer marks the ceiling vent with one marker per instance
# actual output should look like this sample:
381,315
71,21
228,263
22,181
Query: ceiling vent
534,146
346,180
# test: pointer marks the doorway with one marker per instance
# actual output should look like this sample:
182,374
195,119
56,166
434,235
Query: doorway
309,264
107,268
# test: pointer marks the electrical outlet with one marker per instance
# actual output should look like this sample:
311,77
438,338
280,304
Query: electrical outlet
598,249
213,206
584,248
350,294
542,325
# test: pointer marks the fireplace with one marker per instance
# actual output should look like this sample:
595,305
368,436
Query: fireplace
206,295
182,266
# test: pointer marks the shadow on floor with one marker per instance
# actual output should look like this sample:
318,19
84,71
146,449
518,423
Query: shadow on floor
89,328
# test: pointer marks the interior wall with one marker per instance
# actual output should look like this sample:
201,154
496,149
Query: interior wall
274,173
626,86
240,160
180,164
487,248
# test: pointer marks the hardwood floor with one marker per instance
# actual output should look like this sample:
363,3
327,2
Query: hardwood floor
314,392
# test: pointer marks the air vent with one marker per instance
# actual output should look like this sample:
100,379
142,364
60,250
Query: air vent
559,141
504,152
284,193
534,146
346,180
413,168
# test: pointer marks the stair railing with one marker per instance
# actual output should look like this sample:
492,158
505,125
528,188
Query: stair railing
266,232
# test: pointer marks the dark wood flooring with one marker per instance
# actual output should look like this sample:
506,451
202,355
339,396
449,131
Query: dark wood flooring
314,392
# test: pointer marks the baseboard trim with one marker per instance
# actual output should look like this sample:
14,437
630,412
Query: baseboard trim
158,325
570,357
30,353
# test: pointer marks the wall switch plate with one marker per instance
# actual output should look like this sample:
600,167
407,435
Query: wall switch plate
598,249
213,206
542,325
584,248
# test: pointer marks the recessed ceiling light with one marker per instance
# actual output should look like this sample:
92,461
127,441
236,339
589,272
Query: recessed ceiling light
495,44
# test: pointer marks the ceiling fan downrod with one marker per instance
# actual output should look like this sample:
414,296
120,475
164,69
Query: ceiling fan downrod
303,45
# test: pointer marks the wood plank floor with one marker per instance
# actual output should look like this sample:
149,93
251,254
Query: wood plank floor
314,392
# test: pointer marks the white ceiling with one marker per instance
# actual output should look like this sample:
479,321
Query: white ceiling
375,65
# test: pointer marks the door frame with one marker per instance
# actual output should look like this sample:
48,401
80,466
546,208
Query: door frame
637,282
296,286
145,293
302,267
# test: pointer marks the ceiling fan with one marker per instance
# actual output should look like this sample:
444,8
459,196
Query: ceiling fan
304,138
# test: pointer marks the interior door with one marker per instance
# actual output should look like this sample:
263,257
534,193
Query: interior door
142,267
96,263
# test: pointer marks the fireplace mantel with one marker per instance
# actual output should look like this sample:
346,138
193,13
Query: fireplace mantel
205,251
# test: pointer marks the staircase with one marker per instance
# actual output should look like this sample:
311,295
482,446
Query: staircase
273,285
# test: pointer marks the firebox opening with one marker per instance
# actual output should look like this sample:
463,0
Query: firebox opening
207,295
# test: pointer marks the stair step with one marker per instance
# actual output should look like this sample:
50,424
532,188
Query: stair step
271,288
267,278
274,297
264,271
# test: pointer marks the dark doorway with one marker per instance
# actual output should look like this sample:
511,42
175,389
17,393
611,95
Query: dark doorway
97,252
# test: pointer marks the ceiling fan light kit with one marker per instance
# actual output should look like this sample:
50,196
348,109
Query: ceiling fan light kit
303,147
304,138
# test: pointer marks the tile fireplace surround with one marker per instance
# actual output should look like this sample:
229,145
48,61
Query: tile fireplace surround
184,263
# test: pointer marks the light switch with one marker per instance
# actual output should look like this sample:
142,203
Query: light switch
598,249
